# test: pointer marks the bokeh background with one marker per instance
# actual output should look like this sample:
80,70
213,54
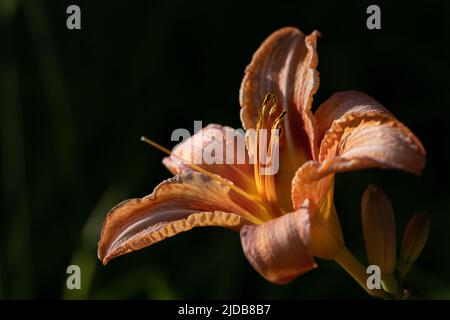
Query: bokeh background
74,104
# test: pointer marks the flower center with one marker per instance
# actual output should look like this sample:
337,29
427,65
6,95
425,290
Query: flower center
266,155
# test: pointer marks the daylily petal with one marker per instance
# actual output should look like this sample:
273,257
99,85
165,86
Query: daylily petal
278,249
310,182
176,205
341,103
215,140
285,64
363,134
326,238
313,179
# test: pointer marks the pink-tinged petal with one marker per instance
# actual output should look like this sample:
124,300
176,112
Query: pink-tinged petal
278,249
344,102
176,205
230,157
284,64
363,134
310,184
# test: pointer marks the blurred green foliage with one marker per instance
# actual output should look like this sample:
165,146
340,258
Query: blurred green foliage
74,104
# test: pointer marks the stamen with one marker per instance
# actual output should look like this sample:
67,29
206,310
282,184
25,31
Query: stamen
212,176
269,101
269,97
276,123
274,140
267,120
273,110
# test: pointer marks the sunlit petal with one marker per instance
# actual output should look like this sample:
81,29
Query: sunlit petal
363,134
326,238
278,249
340,103
285,64
176,205
310,182
229,155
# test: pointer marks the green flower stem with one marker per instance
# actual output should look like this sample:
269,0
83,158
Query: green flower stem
353,267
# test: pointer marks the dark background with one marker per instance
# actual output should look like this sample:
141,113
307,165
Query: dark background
74,104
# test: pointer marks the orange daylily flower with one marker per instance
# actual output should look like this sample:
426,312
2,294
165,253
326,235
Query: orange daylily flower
285,219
